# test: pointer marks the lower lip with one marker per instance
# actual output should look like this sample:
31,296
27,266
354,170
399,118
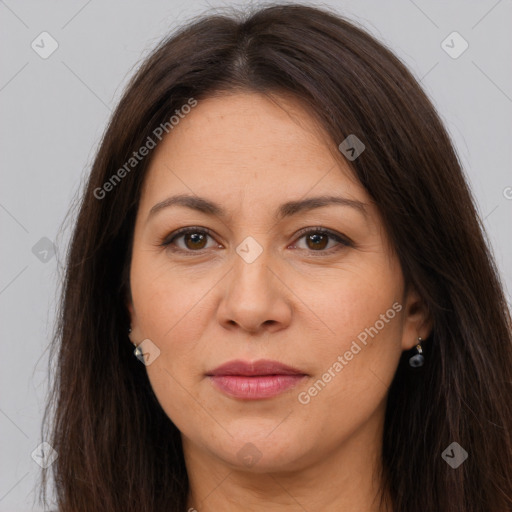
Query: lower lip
255,388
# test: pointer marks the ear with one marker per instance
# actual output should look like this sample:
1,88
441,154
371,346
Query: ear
417,320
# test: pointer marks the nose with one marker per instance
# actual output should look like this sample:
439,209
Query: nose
255,297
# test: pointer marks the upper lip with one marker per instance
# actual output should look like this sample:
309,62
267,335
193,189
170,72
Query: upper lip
255,368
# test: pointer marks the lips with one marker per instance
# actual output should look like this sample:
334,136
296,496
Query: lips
256,368
256,380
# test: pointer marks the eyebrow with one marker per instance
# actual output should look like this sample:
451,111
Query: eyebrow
287,209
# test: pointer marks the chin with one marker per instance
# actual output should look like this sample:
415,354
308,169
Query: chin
263,450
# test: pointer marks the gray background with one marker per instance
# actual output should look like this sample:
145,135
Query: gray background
54,112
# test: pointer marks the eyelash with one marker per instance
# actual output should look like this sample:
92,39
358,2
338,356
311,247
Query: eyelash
343,241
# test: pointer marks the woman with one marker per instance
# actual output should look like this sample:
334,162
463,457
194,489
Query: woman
278,295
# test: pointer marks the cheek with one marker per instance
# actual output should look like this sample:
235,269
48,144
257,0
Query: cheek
170,310
169,314
356,367
359,356
361,299
165,299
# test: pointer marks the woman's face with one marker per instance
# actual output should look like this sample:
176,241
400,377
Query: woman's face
254,280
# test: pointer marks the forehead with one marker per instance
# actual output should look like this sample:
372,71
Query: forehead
247,144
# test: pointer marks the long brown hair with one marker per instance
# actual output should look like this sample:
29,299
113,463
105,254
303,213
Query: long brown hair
118,451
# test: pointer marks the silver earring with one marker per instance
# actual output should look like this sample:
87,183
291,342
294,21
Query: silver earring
417,359
138,353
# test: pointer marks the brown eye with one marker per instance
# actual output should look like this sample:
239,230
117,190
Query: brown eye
317,241
194,240
188,240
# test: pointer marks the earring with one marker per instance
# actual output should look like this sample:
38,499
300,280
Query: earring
138,353
417,359
138,350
